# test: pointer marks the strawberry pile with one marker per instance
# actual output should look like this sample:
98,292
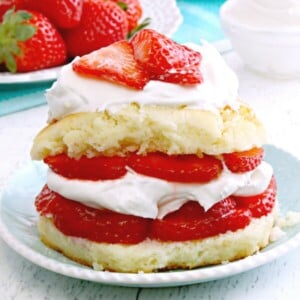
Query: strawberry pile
46,33
147,55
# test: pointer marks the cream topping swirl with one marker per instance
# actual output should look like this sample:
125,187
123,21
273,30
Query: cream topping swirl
150,197
73,93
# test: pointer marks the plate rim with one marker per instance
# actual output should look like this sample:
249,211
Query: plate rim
159,279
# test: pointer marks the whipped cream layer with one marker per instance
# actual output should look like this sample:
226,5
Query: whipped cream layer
150,197
266,14
73,93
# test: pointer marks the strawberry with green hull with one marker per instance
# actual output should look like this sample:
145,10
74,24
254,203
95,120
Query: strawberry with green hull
61,13
133,11
102,23
28,42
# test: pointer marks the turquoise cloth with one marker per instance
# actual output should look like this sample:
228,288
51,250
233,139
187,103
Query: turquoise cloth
200,21
17,97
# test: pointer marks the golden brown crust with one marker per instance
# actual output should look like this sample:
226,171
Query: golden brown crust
151,128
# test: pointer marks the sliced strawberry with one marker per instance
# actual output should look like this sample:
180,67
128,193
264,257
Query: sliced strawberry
61,13
240,162
28,42
183,76
75,219
190,222
113,63
159,55
178,168
261,204
102,23
97,168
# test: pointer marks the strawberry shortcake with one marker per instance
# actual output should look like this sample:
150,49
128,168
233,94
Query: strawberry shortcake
154,162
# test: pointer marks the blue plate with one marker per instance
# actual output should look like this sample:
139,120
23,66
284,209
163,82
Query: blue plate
18,228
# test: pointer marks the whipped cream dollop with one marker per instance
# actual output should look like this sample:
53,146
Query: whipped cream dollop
150,197
73,93
266,14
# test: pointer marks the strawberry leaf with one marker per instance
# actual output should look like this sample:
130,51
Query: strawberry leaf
123,5
24,32
141,26
10,62
14,29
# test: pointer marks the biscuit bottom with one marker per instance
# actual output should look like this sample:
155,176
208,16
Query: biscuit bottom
152,255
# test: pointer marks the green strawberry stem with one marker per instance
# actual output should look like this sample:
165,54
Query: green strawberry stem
123,5
139,27
14,30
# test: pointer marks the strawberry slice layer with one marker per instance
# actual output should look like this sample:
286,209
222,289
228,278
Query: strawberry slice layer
102,167
240,162
190,222
176,168
75,219
113,63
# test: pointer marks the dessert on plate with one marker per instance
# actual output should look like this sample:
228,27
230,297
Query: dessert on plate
154,162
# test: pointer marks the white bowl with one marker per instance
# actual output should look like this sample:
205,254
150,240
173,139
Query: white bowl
275,53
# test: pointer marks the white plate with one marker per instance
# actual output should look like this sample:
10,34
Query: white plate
165,18
18,229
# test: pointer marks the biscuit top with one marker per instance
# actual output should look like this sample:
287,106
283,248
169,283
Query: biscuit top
73,93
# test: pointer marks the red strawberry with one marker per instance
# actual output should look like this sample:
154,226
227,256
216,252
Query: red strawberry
28,41
96,168
261,204
178,168
62,13
240,162
113,63
102,23
133,11
99,225
191,222
162,57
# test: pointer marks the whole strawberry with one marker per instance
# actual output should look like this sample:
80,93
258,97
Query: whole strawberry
102,23
28,42
61,13
133,11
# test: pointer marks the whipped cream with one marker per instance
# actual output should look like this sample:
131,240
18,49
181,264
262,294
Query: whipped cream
266,14
73,93
149,197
